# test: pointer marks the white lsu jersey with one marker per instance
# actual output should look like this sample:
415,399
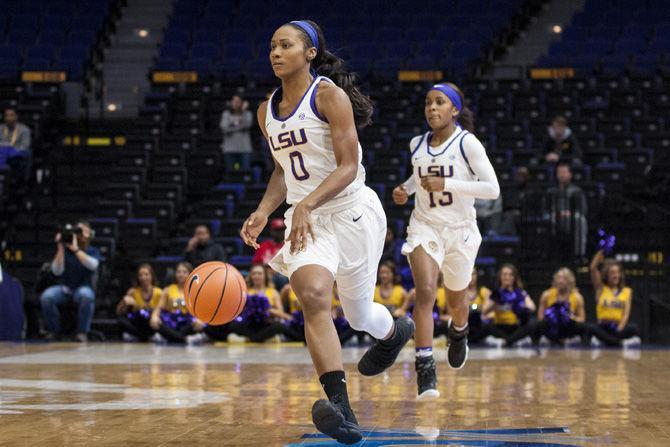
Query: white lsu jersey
446,160
301,144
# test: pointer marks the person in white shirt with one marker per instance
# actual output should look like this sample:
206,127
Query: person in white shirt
336,225
450,170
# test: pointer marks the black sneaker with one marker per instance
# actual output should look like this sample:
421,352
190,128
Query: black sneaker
457,353
383,353
426,379
336,420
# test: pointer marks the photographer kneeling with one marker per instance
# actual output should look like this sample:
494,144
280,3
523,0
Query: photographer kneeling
75,266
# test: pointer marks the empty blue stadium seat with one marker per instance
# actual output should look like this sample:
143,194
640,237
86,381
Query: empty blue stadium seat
631,45
36,64
21,38
40,52
52,37
174,36
24,22
174,50
237,51
168,64
74,52
205,51
55,22
9,52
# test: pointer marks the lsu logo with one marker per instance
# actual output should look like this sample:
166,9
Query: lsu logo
436,171
288,139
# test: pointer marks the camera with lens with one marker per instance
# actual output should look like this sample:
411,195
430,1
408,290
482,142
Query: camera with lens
68,233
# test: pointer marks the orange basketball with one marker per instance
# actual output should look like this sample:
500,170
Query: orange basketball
215,292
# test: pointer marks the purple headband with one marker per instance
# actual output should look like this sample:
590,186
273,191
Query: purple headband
450,93
309,29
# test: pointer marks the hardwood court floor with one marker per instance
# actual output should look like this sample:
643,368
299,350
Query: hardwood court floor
241,395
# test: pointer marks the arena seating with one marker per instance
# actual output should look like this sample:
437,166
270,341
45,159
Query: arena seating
220,39
38,35
614,37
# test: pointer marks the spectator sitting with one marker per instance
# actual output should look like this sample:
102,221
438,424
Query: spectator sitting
561,314
613,302
201,248
269,248
171,317
561,144
134,309
75,264
512,308
235,124
567,208
389,292
18,136
489,214
515,201
478,298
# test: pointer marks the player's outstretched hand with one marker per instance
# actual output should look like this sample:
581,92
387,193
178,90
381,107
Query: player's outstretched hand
432,184
301,227
252,228
400,195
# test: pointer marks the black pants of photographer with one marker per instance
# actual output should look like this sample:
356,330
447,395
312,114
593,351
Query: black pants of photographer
612,337
138,327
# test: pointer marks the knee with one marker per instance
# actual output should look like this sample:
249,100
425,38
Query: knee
85,294
315,299
49,295
425,295
357,322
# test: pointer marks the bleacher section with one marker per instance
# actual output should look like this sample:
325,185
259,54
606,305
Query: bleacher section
615,37
226,39
41,35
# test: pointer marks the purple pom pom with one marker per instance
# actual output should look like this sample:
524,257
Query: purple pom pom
256,310
558,319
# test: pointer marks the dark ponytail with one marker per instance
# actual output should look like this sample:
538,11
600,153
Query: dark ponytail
466,119
327,64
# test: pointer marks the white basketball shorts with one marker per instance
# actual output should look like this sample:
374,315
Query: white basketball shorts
454,248
349,244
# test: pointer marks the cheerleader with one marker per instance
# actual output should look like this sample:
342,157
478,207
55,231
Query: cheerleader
561,312
613,301
134,309
171,317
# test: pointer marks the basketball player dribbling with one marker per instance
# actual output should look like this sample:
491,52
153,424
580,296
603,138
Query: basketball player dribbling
450,170
336,225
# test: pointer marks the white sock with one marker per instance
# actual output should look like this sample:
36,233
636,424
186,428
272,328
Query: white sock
460,328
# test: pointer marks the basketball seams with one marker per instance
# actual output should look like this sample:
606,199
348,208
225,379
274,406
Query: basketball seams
223,291
195,300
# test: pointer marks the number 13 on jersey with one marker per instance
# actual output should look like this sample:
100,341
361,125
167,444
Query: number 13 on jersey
445,200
